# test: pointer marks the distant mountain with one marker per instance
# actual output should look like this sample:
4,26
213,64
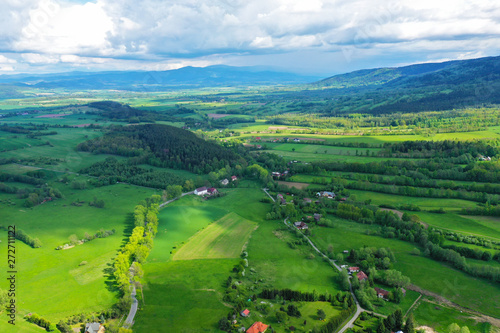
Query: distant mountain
420,87
185,77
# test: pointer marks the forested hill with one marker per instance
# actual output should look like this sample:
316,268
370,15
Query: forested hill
163,146
422,87
419,75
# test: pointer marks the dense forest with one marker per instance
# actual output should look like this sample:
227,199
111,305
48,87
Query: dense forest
163,146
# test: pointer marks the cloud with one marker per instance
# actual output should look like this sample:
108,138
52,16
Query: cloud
111,32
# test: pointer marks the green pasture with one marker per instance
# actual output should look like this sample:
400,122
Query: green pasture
273,260
224,238
178,222
183,296
426,273
51,282
463,224
422,202
439,317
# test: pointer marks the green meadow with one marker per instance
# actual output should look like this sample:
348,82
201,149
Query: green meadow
54,283
424,272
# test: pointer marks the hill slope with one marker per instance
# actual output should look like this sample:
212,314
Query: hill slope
185,77
421,87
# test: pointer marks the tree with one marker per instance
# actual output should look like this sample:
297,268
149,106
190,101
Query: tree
410,324
453,328
381,327
344,280
321,314
464,329
73,239
281,316
398,295
224,324
398,320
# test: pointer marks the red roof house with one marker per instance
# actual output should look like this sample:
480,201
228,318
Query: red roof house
381,293
362,276
233,178
245,313
353,269
257,327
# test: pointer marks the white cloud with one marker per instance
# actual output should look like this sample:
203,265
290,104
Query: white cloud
56,32
262,42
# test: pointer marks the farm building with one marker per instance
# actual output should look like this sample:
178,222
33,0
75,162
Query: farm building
362,276
257,327
201,191
381,293
353,270
94,328
326,194
301,225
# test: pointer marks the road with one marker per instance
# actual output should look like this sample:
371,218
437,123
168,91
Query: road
172,200
359,309
133,309
265,190
135,304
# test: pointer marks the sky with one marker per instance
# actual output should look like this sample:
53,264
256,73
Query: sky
317,37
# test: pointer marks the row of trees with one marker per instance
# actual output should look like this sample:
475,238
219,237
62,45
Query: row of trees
139,244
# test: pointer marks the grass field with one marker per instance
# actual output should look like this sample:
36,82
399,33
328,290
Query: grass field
440,317
224,238
487,228
454,285
52,283
424,203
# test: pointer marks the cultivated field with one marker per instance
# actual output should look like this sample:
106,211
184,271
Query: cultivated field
224,238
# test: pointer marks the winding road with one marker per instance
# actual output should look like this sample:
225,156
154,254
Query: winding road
135,304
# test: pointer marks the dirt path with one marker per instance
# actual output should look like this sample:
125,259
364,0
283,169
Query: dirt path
440,300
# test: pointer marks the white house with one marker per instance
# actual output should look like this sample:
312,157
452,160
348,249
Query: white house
201,191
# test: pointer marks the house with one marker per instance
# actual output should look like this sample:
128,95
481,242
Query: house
259,147
94,328
285,139
362,276
282,201
381,293
346,251
257,138
301,225
245,313
307,200
279,196
353,270
201,191
257,327
317,217
212,191
326,194
296,140
224,182
233,178
276,174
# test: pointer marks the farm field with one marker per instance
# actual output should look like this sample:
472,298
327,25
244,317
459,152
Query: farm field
463,223
436,277
224,238
424,203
